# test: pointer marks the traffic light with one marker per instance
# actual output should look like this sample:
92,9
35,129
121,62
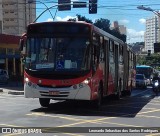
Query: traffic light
64,5
92,6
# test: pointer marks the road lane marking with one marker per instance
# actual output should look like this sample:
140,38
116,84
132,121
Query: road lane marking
154,104
148,111
148,116
9,125
87,121
138,93
62,117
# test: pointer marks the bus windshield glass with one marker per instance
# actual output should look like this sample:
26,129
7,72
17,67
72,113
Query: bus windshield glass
58,54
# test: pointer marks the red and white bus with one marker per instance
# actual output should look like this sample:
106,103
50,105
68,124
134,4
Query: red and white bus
75,61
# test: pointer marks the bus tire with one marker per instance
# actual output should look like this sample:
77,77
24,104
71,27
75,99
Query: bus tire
44,102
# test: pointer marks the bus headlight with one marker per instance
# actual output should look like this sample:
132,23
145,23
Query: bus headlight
30,84
86,81
26,79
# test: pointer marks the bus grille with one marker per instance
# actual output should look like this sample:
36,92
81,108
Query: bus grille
61,94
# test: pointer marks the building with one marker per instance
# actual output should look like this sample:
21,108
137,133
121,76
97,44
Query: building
17,14
152,33
121,28
9,55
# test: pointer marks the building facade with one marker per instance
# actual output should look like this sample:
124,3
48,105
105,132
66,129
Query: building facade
17,14
10,59
152,33
121,28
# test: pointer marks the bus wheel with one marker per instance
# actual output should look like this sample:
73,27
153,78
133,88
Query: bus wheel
44,102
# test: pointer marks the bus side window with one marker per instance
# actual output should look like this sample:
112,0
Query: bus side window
95,59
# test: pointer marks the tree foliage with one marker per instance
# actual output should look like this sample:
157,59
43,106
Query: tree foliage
152,60
83,18
103,24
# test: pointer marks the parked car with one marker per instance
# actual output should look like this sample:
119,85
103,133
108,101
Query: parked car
141,81
4,77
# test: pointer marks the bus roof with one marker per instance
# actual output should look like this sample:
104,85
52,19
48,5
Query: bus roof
98,30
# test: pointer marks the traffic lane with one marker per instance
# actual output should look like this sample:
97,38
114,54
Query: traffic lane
79,107
129,106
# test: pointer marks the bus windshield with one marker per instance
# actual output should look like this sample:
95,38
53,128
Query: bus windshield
58,54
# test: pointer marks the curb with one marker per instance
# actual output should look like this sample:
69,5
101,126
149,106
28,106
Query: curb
16,92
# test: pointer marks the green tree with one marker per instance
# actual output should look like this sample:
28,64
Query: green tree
83,18
103,24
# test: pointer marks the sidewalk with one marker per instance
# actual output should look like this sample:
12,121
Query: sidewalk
14,88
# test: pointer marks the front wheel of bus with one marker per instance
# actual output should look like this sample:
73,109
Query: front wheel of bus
44,102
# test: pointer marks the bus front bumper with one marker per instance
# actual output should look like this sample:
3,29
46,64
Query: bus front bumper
73,93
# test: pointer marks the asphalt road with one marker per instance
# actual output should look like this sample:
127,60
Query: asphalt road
139,111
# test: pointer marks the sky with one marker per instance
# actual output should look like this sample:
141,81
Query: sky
123,11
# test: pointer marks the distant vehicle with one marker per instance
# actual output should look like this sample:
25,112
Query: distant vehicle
141,81
4,77
148,71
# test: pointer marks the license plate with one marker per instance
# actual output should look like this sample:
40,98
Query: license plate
53,93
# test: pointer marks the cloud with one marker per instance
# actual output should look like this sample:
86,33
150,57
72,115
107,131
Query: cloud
65,18
135,36
142,21
49,19
124,21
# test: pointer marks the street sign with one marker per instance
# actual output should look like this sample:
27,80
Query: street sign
64,5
